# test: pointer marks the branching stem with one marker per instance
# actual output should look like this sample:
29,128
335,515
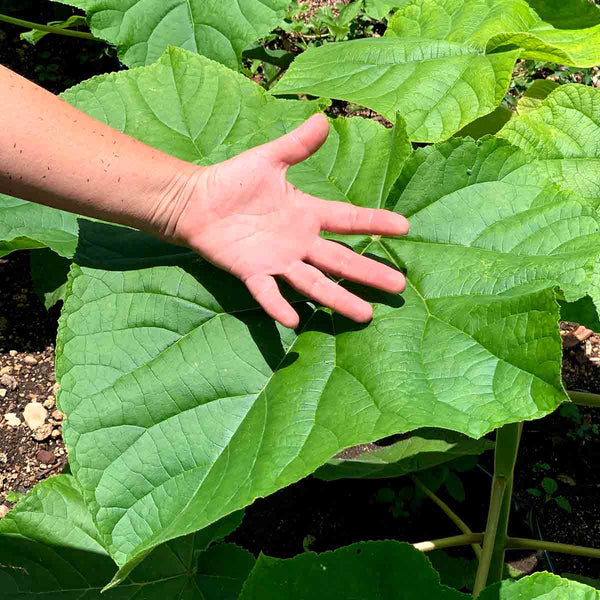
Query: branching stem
449,542
491,565
49,28
527,544
448,511
584,398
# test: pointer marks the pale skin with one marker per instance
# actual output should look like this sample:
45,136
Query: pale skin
241,215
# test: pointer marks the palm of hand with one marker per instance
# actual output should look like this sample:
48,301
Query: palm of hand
256,225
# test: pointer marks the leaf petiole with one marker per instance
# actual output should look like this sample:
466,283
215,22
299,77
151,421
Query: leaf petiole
49,28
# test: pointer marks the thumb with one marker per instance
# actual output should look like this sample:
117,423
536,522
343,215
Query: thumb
302,142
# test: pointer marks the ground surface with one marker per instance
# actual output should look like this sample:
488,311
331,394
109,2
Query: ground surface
333,514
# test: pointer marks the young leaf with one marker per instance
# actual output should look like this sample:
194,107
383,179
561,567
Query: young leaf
424,449
550,486
369,571
27,225
49,547
494,24
541,586
534,492
438,87
143,29
563,503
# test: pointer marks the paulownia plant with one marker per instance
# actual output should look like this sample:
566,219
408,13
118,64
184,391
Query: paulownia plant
185,402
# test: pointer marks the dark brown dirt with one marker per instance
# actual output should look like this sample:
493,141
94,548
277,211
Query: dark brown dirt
27,334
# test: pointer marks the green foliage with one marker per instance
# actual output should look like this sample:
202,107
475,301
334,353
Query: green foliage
49,547
49,273
423,449
142,29
396,499
13,496
370,571
390,75
541,586
35,35
548,492
27,225
454,571
492,24
539,90
467,342
559,146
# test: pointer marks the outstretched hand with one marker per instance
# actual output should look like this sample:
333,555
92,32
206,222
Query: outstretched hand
245,217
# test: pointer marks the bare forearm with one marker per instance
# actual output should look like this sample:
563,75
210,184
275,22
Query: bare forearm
53,154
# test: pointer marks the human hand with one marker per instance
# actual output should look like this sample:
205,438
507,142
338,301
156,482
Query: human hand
245,217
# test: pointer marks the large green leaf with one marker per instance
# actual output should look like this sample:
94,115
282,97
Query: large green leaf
50,548
369,571
188,106
219,29
423,449
27,225
185,402
562,136
387,571
490,24
438,87
540,586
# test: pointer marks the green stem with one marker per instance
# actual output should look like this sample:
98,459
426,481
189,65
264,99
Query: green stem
489,539
584,398
449,542
48,28
526,544
448,511
491,565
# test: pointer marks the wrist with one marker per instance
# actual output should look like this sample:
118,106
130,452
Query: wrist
171,202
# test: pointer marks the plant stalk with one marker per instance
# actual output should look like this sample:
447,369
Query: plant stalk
449,542
448,511
527,544
584,398
491,565
49,28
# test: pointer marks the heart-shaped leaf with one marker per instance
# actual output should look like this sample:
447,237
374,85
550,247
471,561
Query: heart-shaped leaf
143,29
438,87
185,402
492,24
